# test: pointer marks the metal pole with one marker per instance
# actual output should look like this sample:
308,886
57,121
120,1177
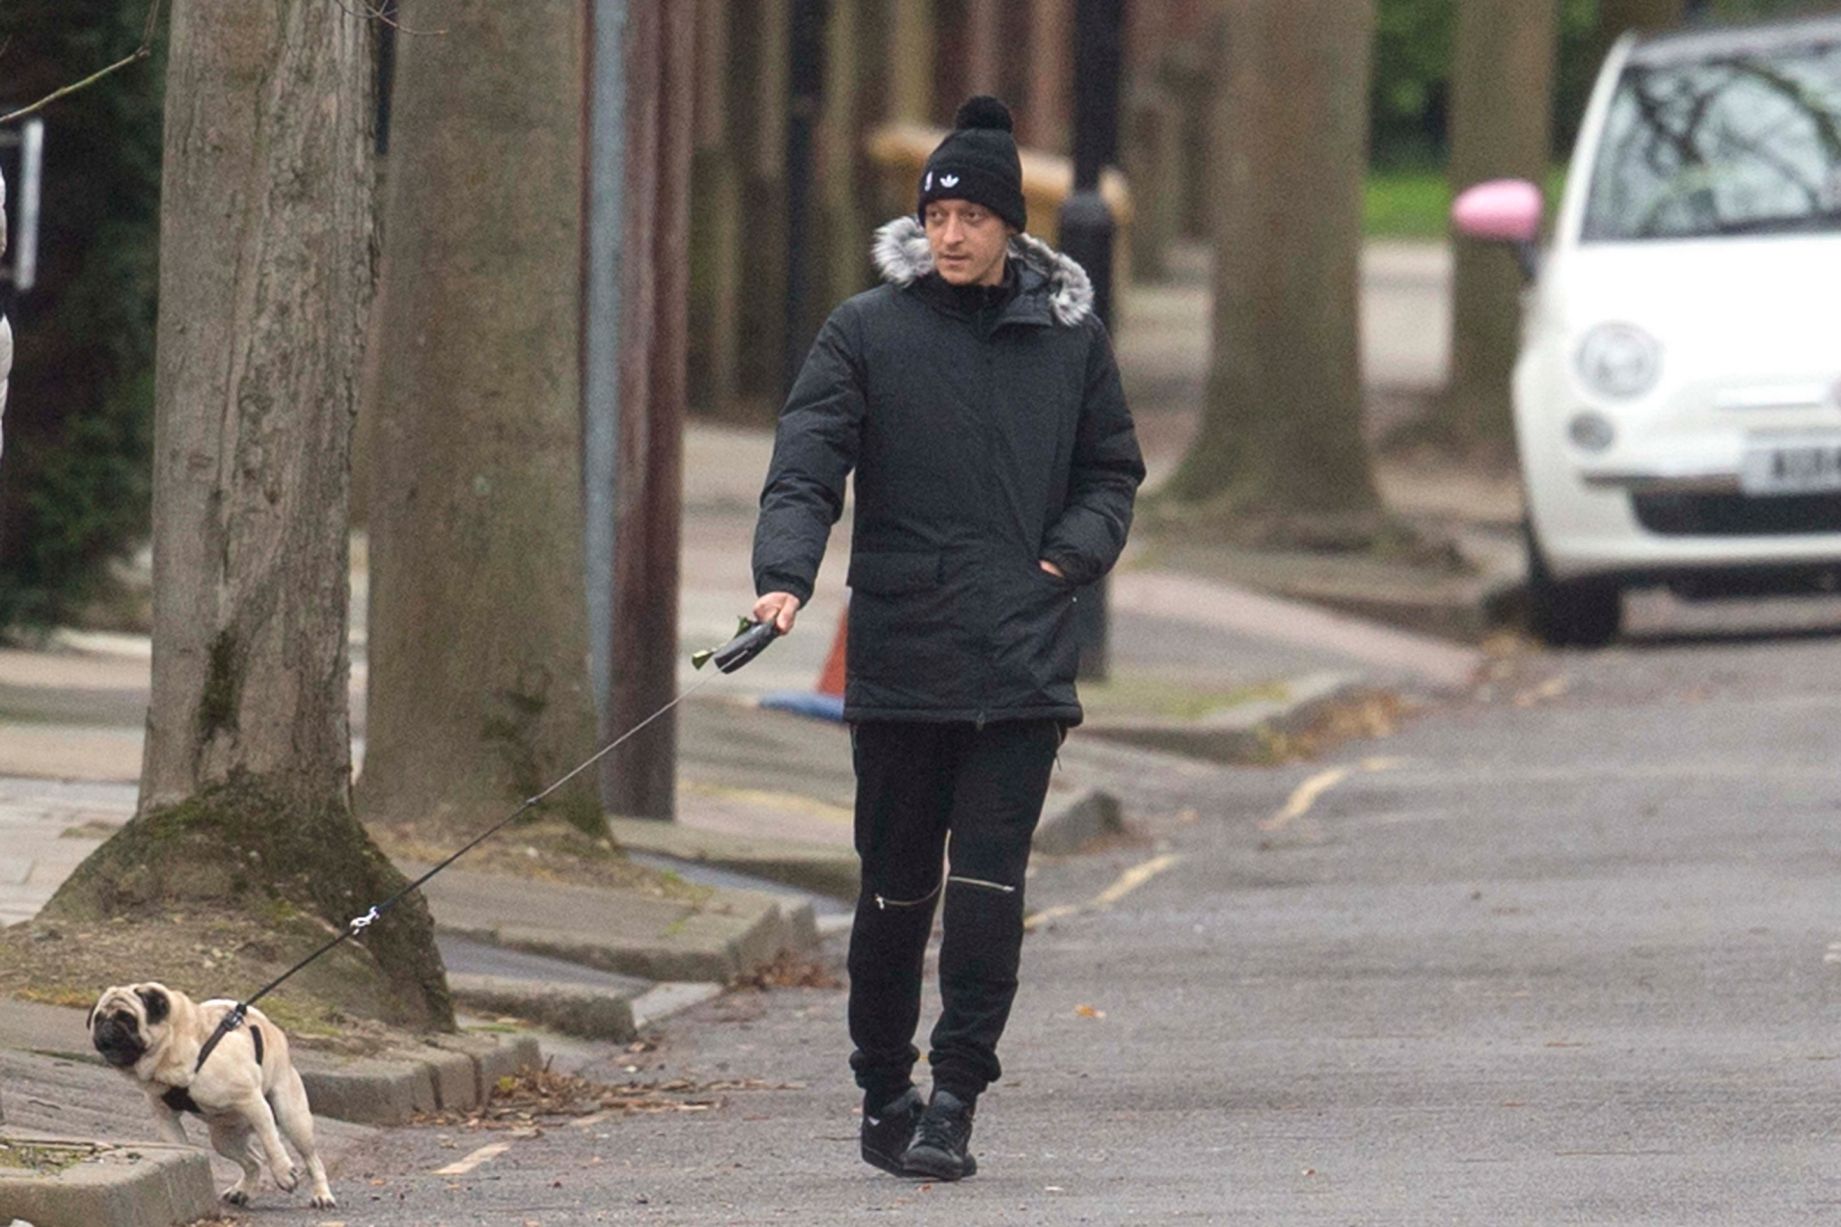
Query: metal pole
601,255
1087,231
805,104
386,71
31,174
640,779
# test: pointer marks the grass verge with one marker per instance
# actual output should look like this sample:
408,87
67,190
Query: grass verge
1416,203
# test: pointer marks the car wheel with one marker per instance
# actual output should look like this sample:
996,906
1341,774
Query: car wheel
1585,613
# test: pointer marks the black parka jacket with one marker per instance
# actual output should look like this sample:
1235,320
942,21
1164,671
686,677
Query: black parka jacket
982,442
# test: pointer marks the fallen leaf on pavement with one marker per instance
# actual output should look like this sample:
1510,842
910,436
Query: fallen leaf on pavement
520,1102
788,970
1087,1011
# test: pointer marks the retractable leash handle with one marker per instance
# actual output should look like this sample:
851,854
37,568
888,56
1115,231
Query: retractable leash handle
750,641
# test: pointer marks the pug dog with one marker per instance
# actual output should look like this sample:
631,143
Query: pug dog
246,1088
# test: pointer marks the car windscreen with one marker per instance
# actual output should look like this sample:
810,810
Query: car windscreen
1741,143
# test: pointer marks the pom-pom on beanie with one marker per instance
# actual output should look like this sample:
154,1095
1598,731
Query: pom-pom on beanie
977,162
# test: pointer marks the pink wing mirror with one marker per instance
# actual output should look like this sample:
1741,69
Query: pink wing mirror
1502,211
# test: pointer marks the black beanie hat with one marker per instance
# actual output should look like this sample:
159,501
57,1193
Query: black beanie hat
977,162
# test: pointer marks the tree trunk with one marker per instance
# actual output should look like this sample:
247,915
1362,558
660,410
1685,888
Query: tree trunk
639,779
844,226
265,280
1616,17
910,49
759,43
1501,127
480,692
984,45
1049,104
717,250
1280,446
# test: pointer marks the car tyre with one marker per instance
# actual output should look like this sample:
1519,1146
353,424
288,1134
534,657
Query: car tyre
1582,613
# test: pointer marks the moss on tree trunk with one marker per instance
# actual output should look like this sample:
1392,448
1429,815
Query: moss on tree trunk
297,871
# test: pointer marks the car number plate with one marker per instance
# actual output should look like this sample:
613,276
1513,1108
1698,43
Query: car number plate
1803,468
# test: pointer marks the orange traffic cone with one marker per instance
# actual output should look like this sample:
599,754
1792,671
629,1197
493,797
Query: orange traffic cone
825,700
831,678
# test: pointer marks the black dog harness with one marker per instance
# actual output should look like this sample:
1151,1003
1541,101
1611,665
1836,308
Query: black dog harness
179,1099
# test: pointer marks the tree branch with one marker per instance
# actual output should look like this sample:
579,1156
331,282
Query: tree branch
139,53
380,10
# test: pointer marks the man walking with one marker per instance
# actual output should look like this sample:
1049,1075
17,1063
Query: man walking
976,397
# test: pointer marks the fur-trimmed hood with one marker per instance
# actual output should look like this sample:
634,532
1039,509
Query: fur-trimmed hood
902,256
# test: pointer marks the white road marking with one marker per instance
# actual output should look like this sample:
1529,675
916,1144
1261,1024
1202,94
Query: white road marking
1127,882
1311,791
1036,920
1304,797
484,1154
1135,877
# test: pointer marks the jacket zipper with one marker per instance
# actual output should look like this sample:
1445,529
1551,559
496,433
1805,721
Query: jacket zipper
987,343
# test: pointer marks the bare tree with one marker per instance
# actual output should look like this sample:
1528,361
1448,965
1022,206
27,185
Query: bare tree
1501,127
479,680
1280,451
264,285
141,52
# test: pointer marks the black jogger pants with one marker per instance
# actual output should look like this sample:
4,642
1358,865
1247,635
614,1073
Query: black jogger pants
918,783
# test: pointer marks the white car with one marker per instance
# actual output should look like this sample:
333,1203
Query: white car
1678,395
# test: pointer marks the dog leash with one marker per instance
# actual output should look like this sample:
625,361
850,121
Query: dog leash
750,641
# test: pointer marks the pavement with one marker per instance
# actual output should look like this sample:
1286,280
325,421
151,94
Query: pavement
1563,951
1214,658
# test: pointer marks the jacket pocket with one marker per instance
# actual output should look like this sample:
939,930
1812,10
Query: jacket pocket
904,646
893,574
1037,652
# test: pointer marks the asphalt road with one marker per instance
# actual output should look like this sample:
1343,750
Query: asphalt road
1562,951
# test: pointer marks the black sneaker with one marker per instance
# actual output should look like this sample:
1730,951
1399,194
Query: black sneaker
940,1143
886,1133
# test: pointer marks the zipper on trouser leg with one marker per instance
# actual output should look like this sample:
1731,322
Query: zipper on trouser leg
883,903
1008,890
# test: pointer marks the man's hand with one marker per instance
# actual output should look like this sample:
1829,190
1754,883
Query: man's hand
1051,568
780,608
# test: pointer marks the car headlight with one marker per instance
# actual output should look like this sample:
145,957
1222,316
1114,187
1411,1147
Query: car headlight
1619,360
